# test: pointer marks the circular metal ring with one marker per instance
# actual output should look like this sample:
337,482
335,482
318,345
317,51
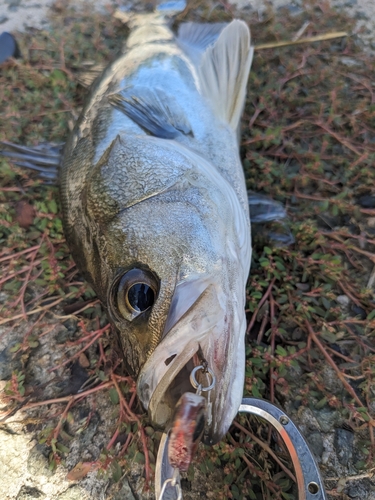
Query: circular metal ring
195,383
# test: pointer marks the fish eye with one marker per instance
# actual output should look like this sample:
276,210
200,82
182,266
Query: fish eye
140,297
136,293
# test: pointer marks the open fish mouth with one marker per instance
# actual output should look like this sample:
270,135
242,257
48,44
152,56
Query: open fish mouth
163,402
165,376
166,373
203,334
162,382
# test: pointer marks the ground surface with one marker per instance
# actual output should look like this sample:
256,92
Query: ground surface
308,141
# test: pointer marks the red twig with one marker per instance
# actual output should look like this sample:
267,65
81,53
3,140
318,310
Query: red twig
56,432
133,416
330,361
273,335
12,256
262,301
74,397
265,446
98,334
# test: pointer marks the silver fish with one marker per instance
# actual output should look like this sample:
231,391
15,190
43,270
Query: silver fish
155,208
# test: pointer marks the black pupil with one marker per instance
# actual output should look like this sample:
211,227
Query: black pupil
140,297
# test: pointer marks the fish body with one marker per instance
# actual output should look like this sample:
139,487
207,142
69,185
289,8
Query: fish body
155,209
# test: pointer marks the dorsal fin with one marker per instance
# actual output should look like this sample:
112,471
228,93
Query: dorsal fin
194,38
152,110
224,69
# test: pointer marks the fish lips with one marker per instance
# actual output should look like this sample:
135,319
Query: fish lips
211,330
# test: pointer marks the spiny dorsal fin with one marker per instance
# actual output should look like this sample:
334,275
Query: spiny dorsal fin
194,38
152,110
224,69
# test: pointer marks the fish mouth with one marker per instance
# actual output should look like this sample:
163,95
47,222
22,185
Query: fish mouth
161,387
201,334
162,403
160,394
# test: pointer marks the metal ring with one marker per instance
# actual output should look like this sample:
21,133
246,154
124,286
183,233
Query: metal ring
173,484
195,383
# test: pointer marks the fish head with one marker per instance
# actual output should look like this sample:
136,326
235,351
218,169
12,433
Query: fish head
166,259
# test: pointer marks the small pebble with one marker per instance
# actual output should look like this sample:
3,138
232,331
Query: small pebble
349,61
8,47
358,311
367,201
297,334
343,443
315,440
343,300
304,287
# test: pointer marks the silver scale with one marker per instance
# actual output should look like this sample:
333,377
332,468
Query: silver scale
309,482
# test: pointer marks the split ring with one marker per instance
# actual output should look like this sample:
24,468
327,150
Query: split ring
195,383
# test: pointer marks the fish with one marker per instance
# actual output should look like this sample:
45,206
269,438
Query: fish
155,208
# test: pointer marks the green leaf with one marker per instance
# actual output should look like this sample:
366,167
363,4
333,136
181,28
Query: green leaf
324,205
62,448
328,336
361,464
139,458
255,391
52,465
326,303
149,430
228,479
281,351
116,471
279,265
320,404
113,395
16,347
252,495
52,205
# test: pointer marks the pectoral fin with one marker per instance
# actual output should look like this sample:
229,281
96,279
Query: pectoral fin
158,114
